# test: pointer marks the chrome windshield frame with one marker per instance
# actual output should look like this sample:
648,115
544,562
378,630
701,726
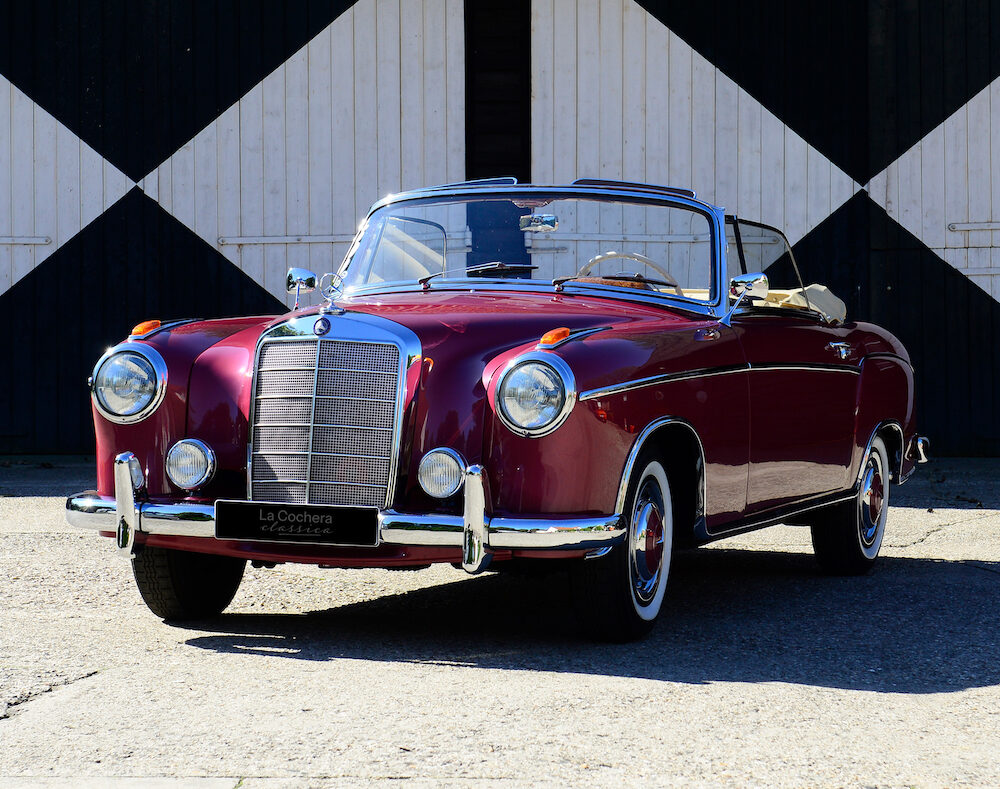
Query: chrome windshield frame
716,217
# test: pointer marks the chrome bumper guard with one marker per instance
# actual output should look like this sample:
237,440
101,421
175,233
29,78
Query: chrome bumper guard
475,532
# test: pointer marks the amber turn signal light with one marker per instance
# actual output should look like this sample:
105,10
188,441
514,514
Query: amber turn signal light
144,328
554,336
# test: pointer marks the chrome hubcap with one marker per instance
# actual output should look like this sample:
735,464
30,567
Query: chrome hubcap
872,500
647,541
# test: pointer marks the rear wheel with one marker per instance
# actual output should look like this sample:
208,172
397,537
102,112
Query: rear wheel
847,537
619,595
184,585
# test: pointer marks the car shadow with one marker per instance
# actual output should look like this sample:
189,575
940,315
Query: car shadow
912,626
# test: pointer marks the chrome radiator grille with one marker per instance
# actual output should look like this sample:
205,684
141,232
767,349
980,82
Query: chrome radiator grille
323,422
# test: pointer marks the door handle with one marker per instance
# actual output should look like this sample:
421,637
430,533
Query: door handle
842,349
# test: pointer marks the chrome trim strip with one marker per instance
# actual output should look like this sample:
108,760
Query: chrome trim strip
150,354
892,424
633,455
639,383
564,371
828,368
769,519
89,510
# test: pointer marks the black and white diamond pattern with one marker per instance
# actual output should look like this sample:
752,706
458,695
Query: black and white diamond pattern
190,145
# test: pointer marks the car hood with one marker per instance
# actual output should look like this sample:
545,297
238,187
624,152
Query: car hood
465,337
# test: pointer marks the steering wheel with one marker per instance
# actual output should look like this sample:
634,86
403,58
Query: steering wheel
612,254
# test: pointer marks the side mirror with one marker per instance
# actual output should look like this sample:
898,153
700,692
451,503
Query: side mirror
300,280
745,286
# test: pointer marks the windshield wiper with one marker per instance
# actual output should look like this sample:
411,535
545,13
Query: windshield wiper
496,265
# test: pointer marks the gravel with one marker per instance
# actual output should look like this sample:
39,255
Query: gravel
761,670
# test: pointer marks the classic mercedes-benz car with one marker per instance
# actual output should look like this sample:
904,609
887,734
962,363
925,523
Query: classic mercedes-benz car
501,375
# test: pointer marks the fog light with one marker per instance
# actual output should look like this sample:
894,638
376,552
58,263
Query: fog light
441,473
190,463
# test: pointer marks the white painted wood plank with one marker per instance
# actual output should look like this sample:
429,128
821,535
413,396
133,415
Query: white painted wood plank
6,272
979,167
657,79
252,180
455,70
182,198
679,133
296,149
956,175
22,184
634,123
563,167
542,92
388,94
817,188
46,178
366,155
772,170
273,162
931,192
749,181
322,134
227,133
587,128
796,158
206,184
434,156
296,143
411,98
910,190
994,93
703,127
346,208
150,184
609,85
727,115
68,194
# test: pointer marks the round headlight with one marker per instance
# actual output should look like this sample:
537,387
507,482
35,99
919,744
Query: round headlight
535,396
190,463
441,473
128,383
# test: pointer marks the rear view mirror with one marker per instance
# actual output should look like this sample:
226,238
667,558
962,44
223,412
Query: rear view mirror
745,286
300,280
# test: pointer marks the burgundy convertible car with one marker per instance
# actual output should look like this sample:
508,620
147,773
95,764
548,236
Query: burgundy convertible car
588,375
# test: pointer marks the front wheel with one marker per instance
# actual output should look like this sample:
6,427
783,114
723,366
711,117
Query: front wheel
847,537
184,585
620,595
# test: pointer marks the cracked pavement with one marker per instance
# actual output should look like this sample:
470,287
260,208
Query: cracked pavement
761,670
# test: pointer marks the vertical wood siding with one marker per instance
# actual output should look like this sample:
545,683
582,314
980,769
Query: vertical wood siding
952,176
374,104
615,94
52,185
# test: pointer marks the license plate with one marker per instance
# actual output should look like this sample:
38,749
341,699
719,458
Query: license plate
308,524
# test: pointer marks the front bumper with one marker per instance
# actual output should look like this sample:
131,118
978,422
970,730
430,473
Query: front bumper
475,532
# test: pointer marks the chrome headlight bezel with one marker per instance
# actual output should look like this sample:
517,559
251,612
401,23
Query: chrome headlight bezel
562,370
150,355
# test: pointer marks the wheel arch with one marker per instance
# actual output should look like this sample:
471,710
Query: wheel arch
891,433
679,448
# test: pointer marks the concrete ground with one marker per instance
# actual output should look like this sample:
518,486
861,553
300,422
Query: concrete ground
760,672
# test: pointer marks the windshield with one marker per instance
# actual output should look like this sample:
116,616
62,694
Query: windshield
640,245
